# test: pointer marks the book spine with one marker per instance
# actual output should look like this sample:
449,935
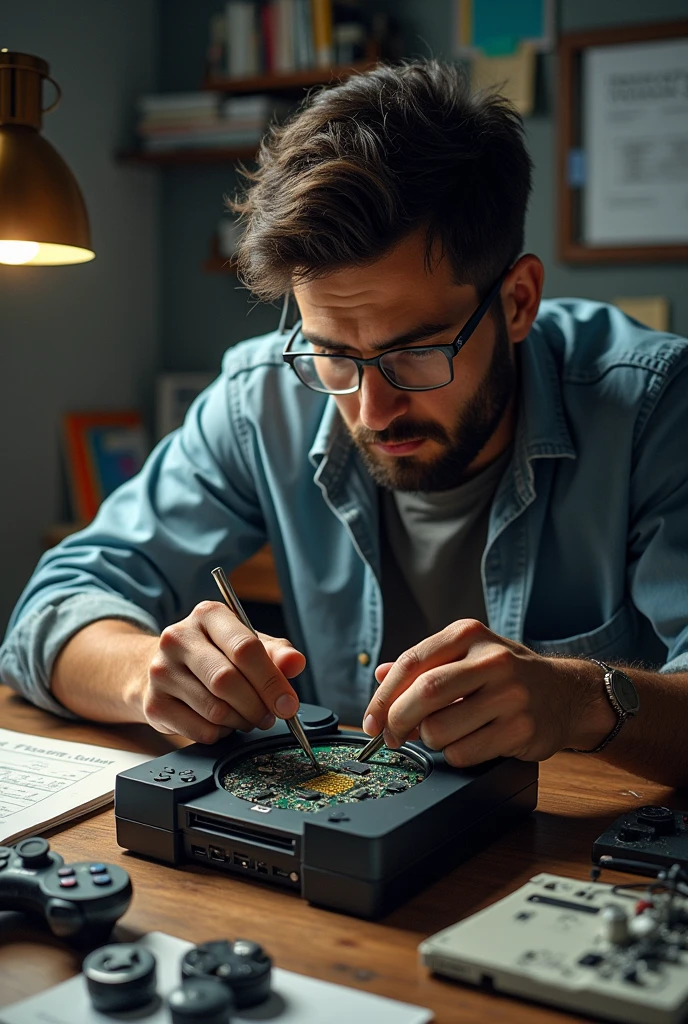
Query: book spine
267,24
321,11
285,36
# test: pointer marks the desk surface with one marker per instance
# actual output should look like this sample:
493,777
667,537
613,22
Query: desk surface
578,797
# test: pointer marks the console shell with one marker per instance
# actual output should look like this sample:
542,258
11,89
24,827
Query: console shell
363,858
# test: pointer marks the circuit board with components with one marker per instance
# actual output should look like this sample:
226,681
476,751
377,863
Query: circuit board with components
284,778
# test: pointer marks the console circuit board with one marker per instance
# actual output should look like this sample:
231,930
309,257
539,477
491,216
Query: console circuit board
285,778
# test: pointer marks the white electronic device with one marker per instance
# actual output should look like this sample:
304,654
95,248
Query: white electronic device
618,952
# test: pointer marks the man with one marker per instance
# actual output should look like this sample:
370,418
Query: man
436,453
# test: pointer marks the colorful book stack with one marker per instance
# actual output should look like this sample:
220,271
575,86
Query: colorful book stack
283,36
204,120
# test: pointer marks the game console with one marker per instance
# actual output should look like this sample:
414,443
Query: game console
353,837
79,901
653,836
593,948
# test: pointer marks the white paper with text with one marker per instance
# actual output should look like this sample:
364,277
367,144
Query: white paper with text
44,781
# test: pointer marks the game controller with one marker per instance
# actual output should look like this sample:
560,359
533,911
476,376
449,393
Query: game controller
653,836
216,978
79,901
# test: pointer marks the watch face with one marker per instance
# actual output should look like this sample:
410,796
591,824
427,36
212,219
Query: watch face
625,692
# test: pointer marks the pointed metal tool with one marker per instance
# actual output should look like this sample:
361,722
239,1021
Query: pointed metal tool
371,748
234,605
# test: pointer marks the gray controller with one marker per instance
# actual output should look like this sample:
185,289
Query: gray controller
584,946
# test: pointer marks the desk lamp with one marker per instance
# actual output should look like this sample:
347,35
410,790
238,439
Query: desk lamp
43,219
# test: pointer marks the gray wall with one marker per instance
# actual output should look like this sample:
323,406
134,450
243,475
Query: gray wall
77,337
203,313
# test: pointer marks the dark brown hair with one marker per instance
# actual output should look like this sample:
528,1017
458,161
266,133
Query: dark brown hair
364,163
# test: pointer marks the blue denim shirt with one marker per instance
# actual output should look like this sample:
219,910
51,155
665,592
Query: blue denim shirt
587,551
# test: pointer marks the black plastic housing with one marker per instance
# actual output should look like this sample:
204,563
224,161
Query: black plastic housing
659,839
361,858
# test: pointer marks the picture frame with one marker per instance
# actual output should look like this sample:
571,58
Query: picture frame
103,450
621,145
174,394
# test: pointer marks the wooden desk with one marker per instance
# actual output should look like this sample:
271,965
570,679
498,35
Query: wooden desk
578,797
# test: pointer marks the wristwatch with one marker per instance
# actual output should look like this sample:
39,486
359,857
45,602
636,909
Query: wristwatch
623,697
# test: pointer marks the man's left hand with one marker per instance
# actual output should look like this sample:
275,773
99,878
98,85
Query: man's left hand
475,695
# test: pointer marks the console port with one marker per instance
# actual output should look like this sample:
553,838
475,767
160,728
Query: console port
199,851
261,867
280,873
242,861
217,853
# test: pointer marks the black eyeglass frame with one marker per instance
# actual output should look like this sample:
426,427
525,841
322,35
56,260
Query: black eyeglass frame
450,351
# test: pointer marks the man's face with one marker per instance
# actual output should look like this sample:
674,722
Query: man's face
423,440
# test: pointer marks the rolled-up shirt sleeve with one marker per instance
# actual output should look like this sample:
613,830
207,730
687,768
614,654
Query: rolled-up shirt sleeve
146,557
658,531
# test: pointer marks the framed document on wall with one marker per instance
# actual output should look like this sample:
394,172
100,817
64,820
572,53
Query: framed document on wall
623,144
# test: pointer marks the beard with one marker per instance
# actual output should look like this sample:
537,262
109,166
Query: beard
474,426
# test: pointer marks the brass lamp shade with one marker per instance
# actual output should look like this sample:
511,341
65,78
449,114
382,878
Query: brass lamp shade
43,218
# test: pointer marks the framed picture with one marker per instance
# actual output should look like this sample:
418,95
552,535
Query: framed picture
174,394
623,144
104,449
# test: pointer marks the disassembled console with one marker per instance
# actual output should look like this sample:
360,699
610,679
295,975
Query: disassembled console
357,837
617,952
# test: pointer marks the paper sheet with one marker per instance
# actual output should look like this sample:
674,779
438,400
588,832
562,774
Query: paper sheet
44,782
295,999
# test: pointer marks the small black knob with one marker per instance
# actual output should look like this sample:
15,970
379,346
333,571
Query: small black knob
34,852
660,818
636,833
243,966
201,999
120,977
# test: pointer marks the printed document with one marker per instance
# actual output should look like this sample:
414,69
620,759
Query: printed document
45,782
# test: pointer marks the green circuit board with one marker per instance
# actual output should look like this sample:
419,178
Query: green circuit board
285,778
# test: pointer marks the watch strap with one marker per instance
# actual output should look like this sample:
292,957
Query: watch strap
621,714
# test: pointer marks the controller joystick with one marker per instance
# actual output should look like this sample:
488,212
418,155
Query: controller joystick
200,999
79,901
243,966
120,977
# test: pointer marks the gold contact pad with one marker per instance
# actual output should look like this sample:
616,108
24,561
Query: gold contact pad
330,783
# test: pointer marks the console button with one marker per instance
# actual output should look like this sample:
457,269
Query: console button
120,977
338,816
188,778
170,771
68,883
34,852
162,778
101,879
65,872
97,869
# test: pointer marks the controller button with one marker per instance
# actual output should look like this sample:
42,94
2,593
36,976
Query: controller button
68,883
188,778
170,771
97,869
34,852
162,778
65,872
101,879
338,816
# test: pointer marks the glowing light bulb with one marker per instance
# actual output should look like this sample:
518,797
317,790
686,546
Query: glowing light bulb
17,252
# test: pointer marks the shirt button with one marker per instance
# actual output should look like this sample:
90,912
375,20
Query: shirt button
364,658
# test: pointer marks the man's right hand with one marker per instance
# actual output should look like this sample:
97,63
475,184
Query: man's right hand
209,675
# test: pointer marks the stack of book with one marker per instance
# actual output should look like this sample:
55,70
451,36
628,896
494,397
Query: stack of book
203,120
254,37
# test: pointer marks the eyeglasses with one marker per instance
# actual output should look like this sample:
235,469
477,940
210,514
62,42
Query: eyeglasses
409,369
